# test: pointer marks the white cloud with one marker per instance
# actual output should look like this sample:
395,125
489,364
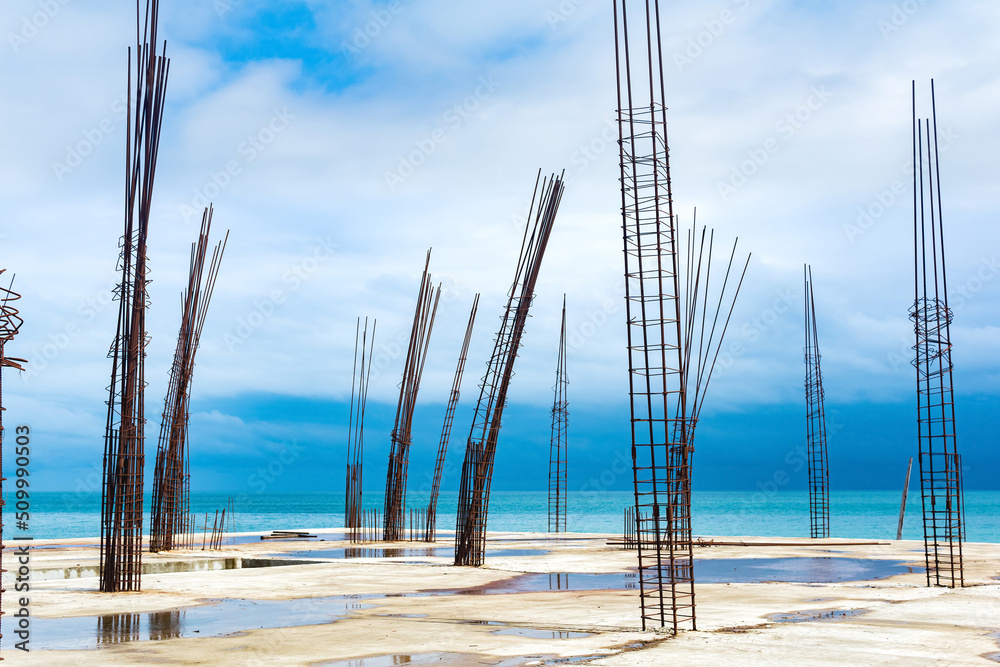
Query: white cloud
324,176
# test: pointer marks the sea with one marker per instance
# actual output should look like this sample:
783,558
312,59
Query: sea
853,514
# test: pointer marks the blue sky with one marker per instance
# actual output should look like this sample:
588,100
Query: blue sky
340,140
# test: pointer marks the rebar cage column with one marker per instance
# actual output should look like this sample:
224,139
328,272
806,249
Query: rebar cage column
559,441
819,472
939,461
660,431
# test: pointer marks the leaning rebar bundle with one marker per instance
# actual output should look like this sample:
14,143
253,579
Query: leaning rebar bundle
819,472
399,453
124,437
430,531
353,519
559,445
940,462
10,324
480,450
171,501
671,347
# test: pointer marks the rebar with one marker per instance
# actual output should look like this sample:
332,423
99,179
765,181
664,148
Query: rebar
940,464
399,453
171,500
353,513
430,532
558,448
480,449
10,324
672,343
124,436
819,467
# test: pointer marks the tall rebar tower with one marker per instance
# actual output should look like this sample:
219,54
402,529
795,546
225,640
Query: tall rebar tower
171,501
399,453
430,529
480,449
10,324
940,462
559,446
819,470
671,348
124,436
356,427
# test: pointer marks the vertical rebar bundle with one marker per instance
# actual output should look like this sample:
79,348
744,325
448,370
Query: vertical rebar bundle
10,324
124,436
819,471
171,501
939,461
629,538
665,326
559,444
430,532
399,453
480,450
356,428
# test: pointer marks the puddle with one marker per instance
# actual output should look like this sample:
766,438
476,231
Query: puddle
406,552
555,581
154,566
534,633
820,570
709,571
816,615
218,618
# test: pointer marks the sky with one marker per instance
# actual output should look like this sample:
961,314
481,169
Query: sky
338,141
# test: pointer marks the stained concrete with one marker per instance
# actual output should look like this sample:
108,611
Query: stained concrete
421,609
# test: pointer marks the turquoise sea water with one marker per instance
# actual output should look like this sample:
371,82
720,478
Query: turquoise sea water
854,514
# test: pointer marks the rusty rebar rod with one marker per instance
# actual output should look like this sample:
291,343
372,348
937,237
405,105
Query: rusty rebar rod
559,438
124,436
171,476
673,336
819,466
940,464
354,517
430,532
480,450
416,355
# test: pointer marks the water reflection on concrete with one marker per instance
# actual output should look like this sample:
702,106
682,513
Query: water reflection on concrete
219,618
